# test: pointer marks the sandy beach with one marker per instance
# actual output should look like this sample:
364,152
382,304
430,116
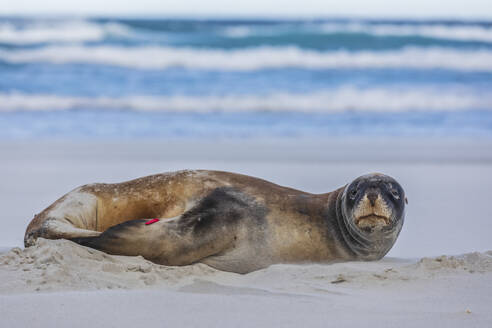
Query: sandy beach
307,95
439,272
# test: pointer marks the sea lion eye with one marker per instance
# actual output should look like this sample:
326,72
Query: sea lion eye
353,193
395,193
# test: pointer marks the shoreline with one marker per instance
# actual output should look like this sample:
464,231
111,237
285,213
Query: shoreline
335,150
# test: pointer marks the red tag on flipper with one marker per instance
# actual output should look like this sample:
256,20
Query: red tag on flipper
151,221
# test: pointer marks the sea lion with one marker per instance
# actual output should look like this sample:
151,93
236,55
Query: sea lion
228,221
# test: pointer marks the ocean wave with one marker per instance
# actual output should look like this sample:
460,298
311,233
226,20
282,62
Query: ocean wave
437,31
254,58
59,32
34,31
329,101
467,33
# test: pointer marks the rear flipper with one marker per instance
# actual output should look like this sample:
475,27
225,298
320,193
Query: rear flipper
53,228
73,215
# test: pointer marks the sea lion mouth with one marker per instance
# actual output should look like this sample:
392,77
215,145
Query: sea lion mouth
372,221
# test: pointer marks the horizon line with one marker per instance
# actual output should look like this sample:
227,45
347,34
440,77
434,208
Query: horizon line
265,16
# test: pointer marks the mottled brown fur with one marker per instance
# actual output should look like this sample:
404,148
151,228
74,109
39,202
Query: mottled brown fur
230,221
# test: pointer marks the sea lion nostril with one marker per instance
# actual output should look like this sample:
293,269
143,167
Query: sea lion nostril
372,196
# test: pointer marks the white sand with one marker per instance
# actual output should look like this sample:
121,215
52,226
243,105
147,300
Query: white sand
454,291
63,284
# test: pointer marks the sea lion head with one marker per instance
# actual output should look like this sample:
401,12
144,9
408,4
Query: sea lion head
373,210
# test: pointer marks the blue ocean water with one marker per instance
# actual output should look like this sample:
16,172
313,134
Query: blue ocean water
102,78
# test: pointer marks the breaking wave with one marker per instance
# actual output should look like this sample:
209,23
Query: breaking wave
36,31
58,32
462,32
338,100
437,31
254,58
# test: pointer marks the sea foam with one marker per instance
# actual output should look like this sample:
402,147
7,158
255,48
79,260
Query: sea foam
437,31
59,32
156,57
337,100
462,32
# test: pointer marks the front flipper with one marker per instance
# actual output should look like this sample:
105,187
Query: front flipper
222,220
128,238
163,242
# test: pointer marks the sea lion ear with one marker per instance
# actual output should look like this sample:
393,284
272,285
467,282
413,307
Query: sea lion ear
406,200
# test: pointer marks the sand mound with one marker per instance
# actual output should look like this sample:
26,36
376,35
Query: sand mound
63,265
53,265
471,262
339,278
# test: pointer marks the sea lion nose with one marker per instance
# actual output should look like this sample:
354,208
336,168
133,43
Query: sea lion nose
372,196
